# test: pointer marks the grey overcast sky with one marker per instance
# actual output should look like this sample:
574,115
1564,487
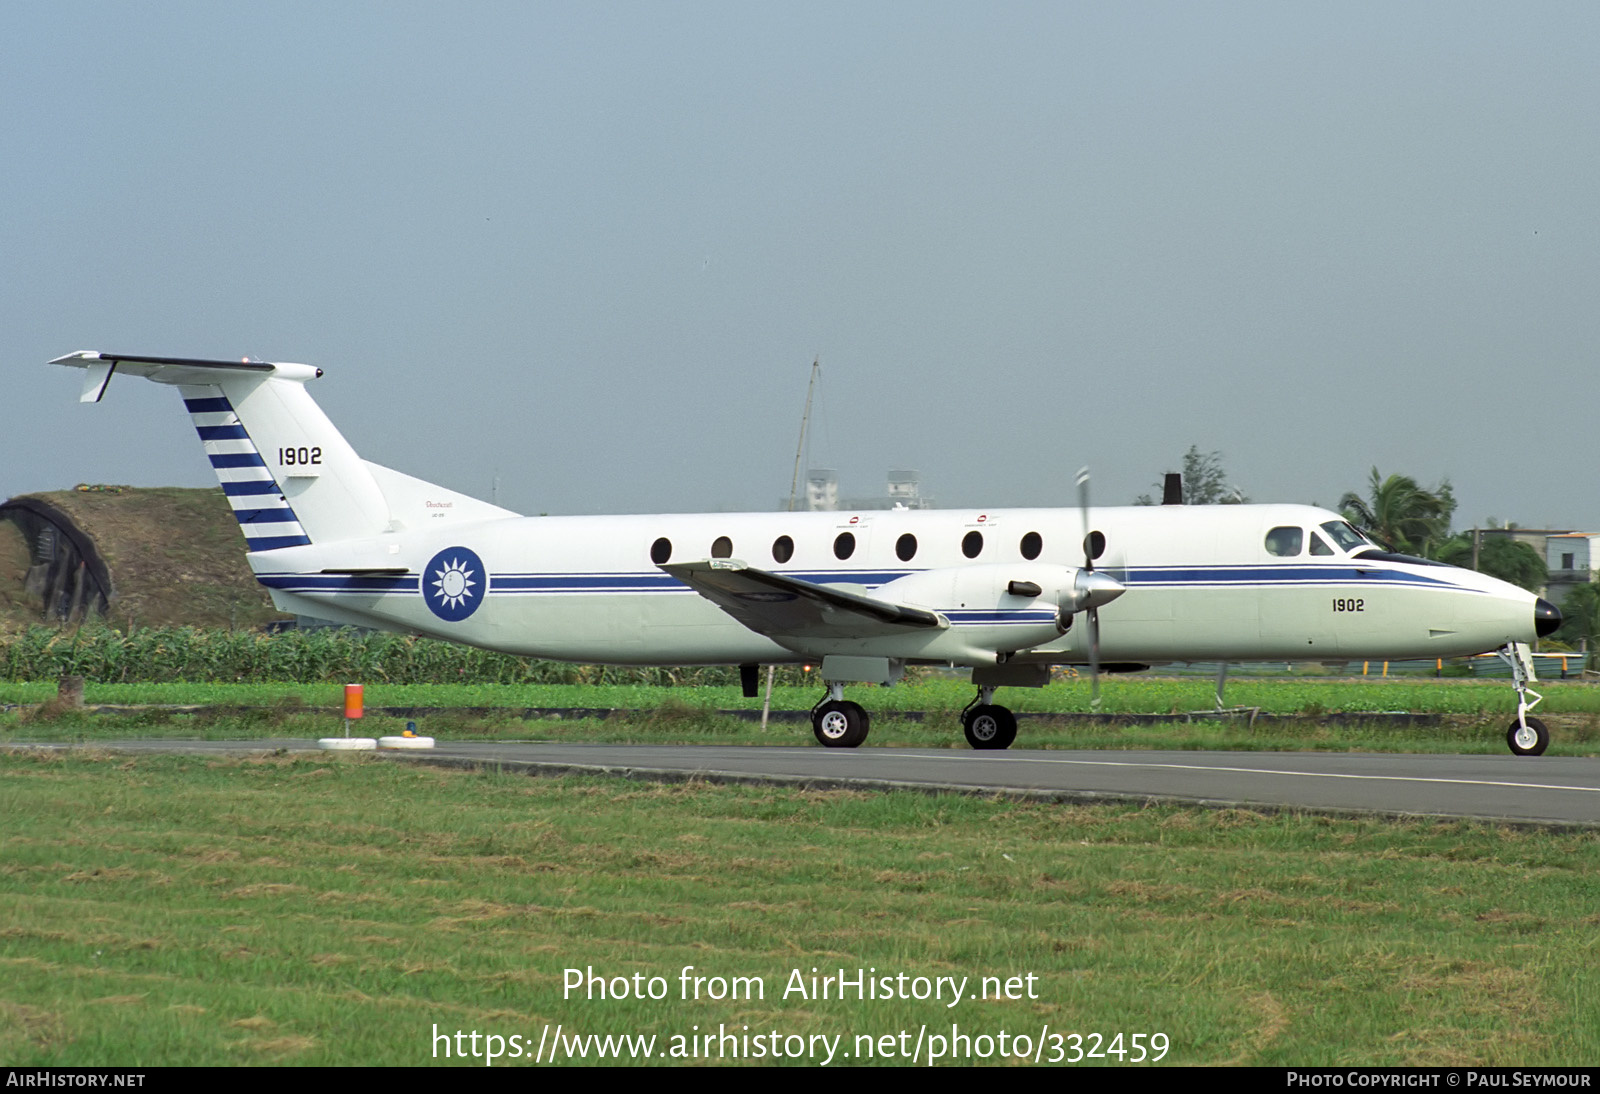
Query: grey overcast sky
594,248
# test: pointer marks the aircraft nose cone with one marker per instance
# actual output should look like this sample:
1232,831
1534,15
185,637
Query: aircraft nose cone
1546,617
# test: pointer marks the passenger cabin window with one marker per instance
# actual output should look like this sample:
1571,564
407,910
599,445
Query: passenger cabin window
972,544
905,548
1319,546
722,548
782,549
844,546
1031,545
661,550
1285,542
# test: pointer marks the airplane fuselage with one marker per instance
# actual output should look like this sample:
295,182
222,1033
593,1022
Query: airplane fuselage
1005,592
1202,584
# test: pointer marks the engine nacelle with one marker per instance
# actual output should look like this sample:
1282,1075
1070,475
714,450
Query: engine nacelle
1010,590
1035,597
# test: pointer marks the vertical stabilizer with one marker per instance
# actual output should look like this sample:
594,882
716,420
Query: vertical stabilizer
290,476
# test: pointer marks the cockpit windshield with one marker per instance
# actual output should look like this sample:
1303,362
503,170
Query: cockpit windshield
1345,536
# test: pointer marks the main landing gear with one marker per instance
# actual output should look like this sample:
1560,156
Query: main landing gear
1526,736
837,722
987,725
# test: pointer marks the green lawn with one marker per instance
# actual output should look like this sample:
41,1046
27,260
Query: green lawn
339,910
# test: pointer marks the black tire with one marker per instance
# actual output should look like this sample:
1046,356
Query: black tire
1532,743
840,724
989,727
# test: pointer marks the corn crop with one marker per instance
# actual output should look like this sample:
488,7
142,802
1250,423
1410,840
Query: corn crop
151,655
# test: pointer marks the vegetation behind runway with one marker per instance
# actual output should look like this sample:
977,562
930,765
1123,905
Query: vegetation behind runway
256,685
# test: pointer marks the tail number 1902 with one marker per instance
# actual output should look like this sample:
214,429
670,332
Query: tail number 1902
1340,604
299,457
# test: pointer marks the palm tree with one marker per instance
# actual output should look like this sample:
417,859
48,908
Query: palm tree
1412,520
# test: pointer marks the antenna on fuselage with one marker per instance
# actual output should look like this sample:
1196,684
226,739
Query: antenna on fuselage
1094,545
1172,488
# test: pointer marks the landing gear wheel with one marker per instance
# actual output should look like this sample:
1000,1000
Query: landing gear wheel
1531,740
989,726
840,724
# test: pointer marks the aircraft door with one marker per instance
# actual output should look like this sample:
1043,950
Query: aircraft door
1297,571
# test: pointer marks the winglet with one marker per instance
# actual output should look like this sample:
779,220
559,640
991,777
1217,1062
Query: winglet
96,378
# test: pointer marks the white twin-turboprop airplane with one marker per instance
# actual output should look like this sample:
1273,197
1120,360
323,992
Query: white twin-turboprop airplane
1007,593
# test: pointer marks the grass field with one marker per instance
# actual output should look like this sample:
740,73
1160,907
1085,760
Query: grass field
335,910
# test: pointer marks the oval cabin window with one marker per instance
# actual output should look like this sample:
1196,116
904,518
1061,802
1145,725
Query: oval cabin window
972,544
722,548
905,548
782,549
1032,544
661,550
844,546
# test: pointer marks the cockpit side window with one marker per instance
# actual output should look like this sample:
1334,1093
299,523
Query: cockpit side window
1345,536
1319,546
1285,542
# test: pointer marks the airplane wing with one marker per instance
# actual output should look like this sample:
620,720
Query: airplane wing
779,605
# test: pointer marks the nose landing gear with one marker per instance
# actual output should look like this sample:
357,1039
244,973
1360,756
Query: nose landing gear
1529,737
1526,736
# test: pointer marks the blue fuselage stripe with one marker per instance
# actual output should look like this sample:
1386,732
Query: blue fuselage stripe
1270,575
1264,578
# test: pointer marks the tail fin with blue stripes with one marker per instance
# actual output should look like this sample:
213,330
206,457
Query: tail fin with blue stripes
290,476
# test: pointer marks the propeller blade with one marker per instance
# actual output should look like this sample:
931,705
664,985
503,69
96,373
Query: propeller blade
1094,543
1094,660
1083,508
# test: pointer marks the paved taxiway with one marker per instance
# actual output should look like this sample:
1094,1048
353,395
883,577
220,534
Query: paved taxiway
1552,790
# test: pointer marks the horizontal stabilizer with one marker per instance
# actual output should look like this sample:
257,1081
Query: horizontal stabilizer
99,368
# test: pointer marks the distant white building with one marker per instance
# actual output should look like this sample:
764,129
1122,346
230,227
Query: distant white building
903,490
822,490
1570,557
905,487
